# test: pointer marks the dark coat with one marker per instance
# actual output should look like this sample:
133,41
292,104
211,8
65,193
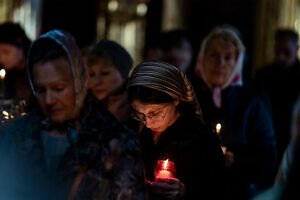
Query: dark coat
198,158
247,131
280,89
106,149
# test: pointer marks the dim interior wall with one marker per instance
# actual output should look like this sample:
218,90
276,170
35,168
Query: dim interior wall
270,16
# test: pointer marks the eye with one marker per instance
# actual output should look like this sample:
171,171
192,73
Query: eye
105,73
59,88
154,114
92,74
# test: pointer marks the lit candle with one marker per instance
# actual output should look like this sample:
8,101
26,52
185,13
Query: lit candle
2,74
218,128
164,169
2,77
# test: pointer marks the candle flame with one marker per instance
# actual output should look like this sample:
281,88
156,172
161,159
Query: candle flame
2,73
218,128
166,164
5,113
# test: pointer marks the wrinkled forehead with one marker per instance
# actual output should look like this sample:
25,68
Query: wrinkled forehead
59,67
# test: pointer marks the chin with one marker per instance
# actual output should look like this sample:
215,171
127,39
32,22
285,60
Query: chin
100,96
58,119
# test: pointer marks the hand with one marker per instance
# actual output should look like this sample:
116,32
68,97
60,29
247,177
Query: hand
229,158
169,188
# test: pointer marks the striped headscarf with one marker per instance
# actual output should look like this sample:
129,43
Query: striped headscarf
167,79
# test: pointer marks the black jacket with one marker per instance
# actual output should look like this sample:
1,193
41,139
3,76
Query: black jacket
247,131
196,152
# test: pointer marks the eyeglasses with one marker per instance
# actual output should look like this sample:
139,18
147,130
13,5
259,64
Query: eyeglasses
155,116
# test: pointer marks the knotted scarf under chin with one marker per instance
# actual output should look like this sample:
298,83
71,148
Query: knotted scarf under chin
68,126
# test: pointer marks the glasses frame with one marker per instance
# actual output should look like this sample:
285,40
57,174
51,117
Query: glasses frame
159,114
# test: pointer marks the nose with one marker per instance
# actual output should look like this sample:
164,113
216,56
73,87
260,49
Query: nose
221,62
49,99
148,122
99,79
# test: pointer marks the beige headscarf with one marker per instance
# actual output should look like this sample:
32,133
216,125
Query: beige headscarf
165,78
79,71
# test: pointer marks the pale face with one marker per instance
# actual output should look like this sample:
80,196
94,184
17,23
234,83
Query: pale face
53,82
104,78
158,117
11,56
180,57
219,62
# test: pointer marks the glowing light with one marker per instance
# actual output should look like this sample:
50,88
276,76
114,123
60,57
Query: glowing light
23,113
141,9
166,164
113,5
4,112
218,128
2,73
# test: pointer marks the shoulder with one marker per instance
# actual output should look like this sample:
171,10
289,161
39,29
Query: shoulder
245,95
196,131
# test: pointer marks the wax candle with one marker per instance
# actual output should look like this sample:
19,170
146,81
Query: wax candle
2,77
164,169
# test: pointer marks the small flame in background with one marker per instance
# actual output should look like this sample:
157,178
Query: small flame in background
218,128
166,164
2,73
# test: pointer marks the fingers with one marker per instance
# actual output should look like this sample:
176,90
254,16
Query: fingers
169,188
229,158
167,180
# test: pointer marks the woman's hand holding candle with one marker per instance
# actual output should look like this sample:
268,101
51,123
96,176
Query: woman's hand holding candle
169,188
166,185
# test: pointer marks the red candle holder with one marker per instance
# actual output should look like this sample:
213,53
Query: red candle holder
164,169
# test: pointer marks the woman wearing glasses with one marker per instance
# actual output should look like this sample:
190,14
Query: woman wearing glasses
171,128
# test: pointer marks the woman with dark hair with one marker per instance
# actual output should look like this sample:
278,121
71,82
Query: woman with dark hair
171,128
108,65
14,45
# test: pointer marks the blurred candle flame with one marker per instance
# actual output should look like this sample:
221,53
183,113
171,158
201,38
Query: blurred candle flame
218,128
2,73
5,113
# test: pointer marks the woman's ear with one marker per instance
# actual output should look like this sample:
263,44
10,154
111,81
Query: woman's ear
176,102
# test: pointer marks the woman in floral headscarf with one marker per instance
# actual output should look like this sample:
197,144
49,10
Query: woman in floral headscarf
171,128
246,133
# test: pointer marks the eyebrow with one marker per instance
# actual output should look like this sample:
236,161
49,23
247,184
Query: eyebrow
152,111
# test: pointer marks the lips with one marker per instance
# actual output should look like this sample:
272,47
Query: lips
155,129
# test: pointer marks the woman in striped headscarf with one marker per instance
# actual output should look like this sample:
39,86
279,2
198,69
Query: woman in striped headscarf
172,128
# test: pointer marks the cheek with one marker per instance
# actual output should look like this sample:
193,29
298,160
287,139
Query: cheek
91,82
115,81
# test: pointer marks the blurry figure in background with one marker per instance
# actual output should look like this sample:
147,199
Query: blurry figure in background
279,84
286,184
171,128
70,145
246,126
178,50
153,49
109,65
14,45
